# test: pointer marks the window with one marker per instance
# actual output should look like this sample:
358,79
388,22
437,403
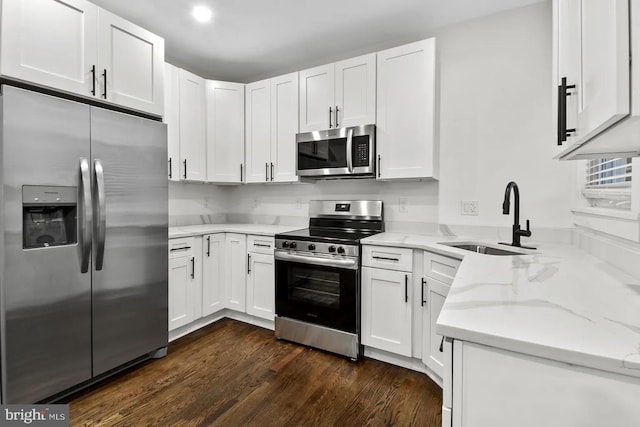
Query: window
608,183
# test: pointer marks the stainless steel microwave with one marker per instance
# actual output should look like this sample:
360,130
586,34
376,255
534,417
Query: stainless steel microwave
337,153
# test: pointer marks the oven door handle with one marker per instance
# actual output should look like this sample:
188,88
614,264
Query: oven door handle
347,263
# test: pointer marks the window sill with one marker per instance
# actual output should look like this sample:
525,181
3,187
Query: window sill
622,224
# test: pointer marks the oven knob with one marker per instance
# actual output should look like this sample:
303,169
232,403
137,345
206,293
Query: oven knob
293,245
312,247
340,250
332,248
285,244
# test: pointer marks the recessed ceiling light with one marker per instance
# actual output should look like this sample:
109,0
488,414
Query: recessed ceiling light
202,13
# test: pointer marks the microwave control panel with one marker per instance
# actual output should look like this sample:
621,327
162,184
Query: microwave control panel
361,151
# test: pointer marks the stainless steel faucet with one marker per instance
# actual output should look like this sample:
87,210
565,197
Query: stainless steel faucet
516,231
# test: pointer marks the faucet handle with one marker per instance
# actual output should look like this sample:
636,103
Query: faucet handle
527,232
528,226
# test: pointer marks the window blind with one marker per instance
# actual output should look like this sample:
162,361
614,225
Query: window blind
608,173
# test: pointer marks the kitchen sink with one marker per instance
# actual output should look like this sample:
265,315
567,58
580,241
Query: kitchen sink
481,248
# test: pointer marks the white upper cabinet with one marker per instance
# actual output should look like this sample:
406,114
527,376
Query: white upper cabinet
50,43
593,87
172,119
355,93
192,127
271,128
258,130
131,61
338,95
225,132
75,46
406,112
284,127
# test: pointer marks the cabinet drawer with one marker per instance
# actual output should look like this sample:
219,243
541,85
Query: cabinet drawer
440,267
181,247
400,259
260,244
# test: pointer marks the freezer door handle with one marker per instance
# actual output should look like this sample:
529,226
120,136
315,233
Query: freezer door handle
85,219
101,218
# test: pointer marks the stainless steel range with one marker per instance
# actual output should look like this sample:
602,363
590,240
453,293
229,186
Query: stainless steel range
318,275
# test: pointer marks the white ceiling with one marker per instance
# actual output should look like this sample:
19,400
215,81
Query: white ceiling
248,40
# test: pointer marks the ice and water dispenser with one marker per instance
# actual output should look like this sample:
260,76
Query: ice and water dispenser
49,216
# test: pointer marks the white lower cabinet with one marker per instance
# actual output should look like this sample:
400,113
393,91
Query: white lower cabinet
212,273
236,267
185,281
261,285
432,343
499,388
386,310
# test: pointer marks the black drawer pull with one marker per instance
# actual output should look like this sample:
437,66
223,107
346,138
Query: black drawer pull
184,248
261,245
386,258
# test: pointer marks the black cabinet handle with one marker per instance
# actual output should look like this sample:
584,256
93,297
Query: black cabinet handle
337,116
241,172
379,166
248,263
563,93
208,245
266,171
406,288
184,248
441,345
93,80
423,302
330,112
170,174
193,267
260,245
185,168
271,171
385,258
104,76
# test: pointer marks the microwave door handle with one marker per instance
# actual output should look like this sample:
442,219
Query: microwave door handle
101,218
350,150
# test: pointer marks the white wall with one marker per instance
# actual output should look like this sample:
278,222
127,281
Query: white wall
195,203
496,120
496,126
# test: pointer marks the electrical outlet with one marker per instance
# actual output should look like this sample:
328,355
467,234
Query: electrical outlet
403,205
298,204
255,203
469,207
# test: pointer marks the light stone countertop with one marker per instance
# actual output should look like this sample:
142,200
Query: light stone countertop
257,229
559,303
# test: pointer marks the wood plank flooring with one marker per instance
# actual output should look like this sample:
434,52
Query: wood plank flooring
234,374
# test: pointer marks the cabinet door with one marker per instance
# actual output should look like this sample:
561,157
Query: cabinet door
236,267
605,65
50,43
406,111
181,291
172,119
567,59
225,132
261,288
133,60
258,128
192,127
316,98
284,127
212,273
386,310
355,91
435,294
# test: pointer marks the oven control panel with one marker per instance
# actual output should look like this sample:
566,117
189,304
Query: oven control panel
318,247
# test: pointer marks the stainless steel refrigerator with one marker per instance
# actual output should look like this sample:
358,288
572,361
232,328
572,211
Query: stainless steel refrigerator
83,243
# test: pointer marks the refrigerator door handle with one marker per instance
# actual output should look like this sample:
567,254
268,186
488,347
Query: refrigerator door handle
85,220
101,218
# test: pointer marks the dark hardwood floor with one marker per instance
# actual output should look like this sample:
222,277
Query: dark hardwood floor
234,374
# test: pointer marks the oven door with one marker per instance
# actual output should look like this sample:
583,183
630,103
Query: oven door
319,290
